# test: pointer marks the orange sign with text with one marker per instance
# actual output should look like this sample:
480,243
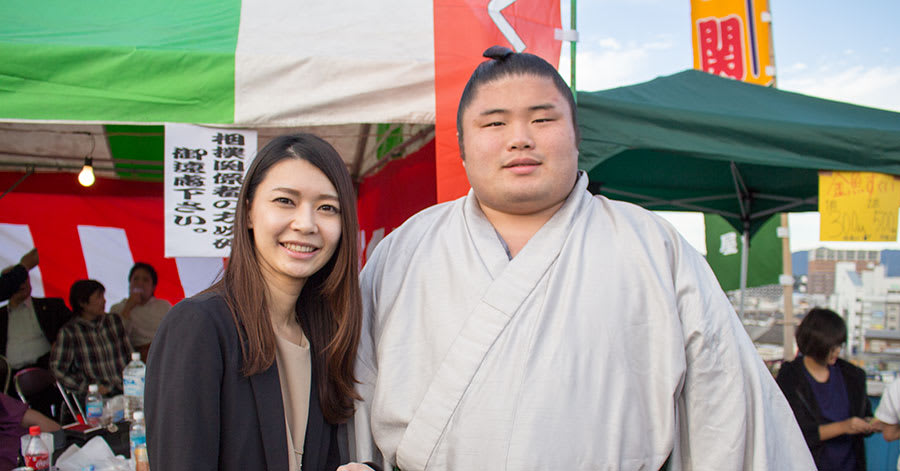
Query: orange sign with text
733,38
463,29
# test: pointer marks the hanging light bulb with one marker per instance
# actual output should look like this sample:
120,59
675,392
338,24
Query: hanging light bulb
86,177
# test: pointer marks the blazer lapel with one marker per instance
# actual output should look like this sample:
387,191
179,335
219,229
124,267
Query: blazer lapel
270,410
318,436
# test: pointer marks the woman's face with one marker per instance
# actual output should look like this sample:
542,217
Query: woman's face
95,305
833,354
296,221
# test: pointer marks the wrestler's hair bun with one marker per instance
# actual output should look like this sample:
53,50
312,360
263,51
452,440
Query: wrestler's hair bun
498,53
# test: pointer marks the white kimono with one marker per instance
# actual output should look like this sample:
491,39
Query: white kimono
606,343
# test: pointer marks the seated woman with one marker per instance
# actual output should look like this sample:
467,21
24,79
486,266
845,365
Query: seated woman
92,348
141,311
256,372
828,394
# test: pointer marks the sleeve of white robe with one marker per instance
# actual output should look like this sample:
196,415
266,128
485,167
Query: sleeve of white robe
731,413
889,407
362,442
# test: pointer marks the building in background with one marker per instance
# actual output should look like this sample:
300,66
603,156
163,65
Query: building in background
822,261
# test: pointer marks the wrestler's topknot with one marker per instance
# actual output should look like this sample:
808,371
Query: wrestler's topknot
498,53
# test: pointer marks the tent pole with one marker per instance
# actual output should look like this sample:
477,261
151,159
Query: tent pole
745,252
788,292
572,16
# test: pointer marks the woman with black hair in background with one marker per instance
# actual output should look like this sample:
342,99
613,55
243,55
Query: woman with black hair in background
828,394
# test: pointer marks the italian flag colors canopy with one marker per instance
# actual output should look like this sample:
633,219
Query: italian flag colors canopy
98,78
247,63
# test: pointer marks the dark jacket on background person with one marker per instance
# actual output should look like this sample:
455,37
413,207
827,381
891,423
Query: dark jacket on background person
230,422
52,314
793,382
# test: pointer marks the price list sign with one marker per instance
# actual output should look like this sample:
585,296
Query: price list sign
204,169
858,206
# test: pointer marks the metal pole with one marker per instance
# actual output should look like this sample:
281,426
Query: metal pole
788,291
573,26
745,254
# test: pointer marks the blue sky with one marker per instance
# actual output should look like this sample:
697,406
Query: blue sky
841,50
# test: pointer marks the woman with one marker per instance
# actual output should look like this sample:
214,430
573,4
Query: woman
141,311
255,372
827,394
92,348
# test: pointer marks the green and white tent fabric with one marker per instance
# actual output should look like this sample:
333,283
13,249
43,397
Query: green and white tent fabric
275,64
249,63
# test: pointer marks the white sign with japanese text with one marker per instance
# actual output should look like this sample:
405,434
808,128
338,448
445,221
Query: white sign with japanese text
204,169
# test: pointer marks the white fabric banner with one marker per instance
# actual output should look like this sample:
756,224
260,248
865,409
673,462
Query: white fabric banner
336,62
204,169
107,257
16,240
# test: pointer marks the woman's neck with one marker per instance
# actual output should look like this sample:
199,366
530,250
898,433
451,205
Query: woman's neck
819,371
283,315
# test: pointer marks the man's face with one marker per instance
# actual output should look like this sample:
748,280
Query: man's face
519,145
141,282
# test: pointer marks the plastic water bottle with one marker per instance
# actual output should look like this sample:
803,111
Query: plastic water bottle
94,405
138,438
37,456
133,379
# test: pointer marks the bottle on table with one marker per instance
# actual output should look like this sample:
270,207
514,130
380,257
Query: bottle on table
94,405
138,438
133,379
37,456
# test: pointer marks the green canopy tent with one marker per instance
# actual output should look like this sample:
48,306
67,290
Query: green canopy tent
697,142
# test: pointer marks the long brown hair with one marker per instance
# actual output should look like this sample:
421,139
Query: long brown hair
329,308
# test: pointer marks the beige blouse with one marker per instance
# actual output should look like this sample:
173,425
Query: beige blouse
294,370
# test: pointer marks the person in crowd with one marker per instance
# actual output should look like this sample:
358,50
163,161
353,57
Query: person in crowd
531,325
887,416
92,348
828,394
256,372
28,327
141,311
15,419
13,277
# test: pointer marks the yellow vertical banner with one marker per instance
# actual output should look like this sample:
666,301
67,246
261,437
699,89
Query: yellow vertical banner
858,206
733,38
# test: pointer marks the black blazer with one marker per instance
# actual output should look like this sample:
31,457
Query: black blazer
51,313
203,414
792,380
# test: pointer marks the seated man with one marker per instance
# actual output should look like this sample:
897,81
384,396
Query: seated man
92,348
28,326
141,312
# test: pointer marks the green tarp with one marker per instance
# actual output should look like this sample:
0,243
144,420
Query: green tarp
723,253
697,142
